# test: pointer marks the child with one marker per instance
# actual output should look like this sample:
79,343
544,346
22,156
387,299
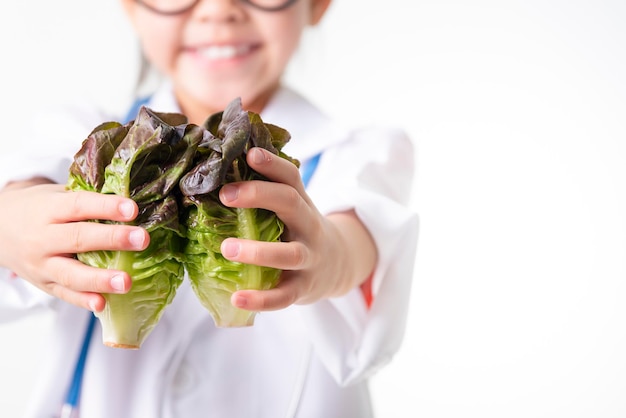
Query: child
336,317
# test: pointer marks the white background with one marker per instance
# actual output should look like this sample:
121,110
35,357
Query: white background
518,111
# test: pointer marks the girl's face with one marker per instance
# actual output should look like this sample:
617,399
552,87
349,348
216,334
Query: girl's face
222,49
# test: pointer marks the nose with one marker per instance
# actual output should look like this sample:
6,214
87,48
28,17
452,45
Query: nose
219,10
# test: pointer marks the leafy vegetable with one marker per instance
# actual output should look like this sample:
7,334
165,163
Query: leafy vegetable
221,159
142,160
174,170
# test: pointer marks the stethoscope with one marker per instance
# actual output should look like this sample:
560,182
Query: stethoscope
70,406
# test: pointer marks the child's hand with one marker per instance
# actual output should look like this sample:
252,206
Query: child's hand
43,226
321,257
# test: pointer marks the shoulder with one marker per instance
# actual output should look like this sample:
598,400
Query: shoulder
369,145
46,144
382,138
313,131
67,122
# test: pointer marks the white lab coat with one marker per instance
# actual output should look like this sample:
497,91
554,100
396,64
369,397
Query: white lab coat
309,361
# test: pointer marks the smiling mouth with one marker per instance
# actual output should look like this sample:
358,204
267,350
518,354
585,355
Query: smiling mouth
222,52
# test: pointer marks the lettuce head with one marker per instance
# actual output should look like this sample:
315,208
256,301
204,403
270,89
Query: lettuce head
142,160
221,159
173,170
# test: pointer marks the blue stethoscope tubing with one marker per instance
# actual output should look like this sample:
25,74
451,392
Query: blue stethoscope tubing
73,395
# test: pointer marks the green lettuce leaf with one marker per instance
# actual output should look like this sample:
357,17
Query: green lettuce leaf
143,160
174,170
222,159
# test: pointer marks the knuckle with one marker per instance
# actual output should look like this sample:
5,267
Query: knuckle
76,202
100,284
76,238
49,287
292,297
54,289
251,253
116,237
264,303
293,198
256,254
64,280
288,291
252,190
84,204
94,280
298,256
278,300
106,205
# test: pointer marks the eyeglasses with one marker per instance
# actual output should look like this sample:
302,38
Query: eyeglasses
174,7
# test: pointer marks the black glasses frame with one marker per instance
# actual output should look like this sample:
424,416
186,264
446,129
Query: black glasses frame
251,3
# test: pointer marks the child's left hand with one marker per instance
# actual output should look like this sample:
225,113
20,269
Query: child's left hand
321,257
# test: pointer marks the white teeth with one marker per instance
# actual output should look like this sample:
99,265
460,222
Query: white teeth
223,51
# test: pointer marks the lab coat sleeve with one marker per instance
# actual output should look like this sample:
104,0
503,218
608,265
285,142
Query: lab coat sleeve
18,298
43,149
372,173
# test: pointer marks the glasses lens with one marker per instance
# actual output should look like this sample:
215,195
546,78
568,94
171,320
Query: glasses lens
168,6
180,6
270,5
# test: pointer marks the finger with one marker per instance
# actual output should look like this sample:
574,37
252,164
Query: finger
79,237
90,301
288,204
75,276
281,255
83,205
282,296
274,167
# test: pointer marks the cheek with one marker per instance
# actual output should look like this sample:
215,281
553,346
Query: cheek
284,37
159,42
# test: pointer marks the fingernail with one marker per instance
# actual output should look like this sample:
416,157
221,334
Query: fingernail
117,283
239,301
137,238
127,209
230,249
92,305
258,156
229,192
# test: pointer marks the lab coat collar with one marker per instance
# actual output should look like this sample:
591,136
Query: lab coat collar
311,130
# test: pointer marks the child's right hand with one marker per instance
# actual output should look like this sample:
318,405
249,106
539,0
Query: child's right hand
43,226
